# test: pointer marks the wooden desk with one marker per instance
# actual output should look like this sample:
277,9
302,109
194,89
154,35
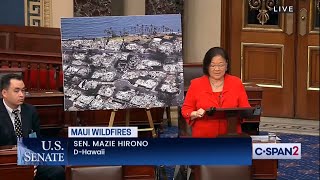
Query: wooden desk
260,169
9,168
139,172
129,172
264,168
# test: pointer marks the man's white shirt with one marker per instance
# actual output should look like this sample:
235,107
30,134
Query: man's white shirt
12,116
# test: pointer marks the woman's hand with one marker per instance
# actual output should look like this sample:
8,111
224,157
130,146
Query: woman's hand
197,114
34,171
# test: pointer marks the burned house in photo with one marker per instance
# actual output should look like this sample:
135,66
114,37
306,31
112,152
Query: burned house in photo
122,62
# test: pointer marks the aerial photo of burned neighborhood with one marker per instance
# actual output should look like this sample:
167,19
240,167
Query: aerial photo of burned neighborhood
122,62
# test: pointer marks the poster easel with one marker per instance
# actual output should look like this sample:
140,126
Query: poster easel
151,124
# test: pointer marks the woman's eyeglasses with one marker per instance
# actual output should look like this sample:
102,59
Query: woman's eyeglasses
219,66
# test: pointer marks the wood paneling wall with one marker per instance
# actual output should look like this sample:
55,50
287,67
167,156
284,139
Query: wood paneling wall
30,39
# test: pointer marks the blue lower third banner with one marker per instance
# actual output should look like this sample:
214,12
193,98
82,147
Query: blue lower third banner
35,151
135,151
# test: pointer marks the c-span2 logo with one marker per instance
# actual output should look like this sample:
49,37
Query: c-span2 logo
276,151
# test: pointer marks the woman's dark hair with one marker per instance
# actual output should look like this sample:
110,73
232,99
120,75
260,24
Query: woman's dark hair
215,51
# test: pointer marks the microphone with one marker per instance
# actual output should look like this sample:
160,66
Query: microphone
257,111
210,111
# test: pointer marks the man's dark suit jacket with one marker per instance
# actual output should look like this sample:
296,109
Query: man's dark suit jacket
30,123
29,119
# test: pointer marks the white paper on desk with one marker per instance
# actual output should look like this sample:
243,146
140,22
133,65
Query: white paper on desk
262,138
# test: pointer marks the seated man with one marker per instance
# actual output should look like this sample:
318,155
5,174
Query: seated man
18,119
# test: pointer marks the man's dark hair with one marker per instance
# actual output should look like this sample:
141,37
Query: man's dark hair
5,80
215,51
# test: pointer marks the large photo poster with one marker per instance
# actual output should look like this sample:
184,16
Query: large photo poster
120,62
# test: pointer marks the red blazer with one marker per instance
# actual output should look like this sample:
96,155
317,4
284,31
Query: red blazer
200,95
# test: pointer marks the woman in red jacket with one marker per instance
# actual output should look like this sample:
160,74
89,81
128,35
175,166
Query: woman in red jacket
214,89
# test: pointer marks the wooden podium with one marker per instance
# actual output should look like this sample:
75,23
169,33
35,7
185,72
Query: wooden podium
8,165
233,116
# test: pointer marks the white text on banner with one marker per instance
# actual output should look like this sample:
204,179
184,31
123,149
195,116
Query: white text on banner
102,132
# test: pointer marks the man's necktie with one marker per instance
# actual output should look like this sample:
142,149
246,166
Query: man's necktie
17,123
